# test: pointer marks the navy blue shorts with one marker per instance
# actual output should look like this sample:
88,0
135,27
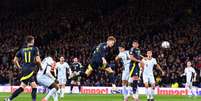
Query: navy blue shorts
134,69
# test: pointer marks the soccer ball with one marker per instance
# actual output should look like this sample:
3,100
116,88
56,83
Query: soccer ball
165,44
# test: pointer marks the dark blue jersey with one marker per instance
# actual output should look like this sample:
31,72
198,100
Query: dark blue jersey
76,67
136,53
27,55
100,51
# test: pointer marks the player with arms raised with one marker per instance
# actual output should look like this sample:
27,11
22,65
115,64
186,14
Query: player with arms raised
125,57
29,55
190,77
148,77
62,70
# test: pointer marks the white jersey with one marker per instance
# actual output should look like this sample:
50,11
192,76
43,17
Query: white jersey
189,71
148,66
125,58
62,70
46,66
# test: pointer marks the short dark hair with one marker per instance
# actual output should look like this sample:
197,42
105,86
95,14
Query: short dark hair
52,53
29,39
123,45
135,41
111,38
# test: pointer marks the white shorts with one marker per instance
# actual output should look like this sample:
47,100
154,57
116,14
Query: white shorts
148,79
130,80
189,82
45,80
125,75
62,81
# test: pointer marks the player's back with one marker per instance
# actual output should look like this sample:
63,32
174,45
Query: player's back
100,51
125,57
46,63
27,56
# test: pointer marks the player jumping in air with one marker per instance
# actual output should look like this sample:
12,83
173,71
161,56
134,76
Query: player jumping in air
46,79
148,76
125,57
136,57
98,59
62,70
29,55
190,77
76,67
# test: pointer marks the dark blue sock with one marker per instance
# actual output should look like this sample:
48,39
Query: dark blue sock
135,84
16,93
112,78
71,87
33,94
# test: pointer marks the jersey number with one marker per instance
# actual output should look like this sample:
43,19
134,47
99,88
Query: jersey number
27,57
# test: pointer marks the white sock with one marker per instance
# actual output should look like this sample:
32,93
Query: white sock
147,92
55,96
62,92
152,93
59,91
124,91
129,90
50,93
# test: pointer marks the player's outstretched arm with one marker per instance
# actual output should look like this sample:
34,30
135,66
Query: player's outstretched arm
159,67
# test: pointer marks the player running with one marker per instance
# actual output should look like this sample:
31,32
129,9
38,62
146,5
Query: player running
136,57
190,77
29,56
62,70
46,79
148,76
125,57
98,60
76,67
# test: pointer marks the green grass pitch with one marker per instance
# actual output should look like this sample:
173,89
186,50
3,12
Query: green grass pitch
84,97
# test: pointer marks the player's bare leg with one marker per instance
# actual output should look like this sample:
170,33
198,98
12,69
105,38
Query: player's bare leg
34,91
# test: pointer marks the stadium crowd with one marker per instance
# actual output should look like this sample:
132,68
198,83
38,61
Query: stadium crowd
75,32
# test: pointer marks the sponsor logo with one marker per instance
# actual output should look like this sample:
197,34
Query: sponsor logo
94,91
172,91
